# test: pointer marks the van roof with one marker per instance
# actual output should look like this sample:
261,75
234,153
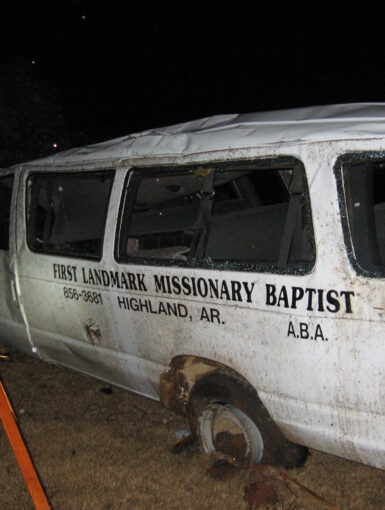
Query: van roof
237,131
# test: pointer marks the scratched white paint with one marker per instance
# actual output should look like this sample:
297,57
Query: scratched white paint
327,392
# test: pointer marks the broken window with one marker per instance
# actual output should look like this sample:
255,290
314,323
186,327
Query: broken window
66,212
160,219
231,214
6,184
364,187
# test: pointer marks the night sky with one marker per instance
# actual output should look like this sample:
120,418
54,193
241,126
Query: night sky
120,67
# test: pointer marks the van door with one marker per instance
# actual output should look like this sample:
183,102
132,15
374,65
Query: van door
196,237
61,230
12,328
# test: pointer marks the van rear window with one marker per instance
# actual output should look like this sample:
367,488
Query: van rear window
6,184
364,190
66,212
232,215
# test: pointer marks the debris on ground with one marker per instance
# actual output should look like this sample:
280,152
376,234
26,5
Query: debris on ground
221,470
181,433
284,477
257,494
184,443
266,474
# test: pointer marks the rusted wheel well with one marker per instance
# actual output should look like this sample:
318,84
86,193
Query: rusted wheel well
177,382
188,372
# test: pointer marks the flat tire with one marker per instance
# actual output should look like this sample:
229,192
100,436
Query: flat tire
230,421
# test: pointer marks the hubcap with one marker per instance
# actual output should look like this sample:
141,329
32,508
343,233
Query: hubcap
230,433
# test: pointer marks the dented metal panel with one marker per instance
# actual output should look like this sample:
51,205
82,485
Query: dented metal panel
236,132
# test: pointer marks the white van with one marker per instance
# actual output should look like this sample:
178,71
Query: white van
232,267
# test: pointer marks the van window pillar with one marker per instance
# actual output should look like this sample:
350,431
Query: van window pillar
292,234
202,224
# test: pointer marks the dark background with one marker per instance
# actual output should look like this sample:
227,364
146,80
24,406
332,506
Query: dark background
75,72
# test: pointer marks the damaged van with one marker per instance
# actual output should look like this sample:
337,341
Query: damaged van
232,267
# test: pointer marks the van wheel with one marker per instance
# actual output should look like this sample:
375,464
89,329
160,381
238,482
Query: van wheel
230,422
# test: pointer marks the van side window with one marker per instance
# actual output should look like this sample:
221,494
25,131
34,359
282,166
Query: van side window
66,212
238,214
6,184
364,187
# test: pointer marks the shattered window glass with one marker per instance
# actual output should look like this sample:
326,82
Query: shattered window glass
364,186
66,212
6,184
251,227
241,214
163,217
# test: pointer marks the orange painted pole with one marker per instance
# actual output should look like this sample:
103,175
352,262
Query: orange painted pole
23,458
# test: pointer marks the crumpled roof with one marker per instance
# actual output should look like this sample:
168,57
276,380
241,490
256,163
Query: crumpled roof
221,132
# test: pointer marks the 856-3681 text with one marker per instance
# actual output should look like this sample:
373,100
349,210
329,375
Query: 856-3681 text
83,295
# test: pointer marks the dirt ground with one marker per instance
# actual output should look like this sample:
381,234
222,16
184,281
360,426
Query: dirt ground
102,448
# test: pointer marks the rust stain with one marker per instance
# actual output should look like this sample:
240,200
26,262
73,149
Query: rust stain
177,382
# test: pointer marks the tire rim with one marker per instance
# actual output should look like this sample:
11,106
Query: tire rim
228,432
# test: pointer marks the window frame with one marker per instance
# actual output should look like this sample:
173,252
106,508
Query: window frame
341,162
129,194
27,220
